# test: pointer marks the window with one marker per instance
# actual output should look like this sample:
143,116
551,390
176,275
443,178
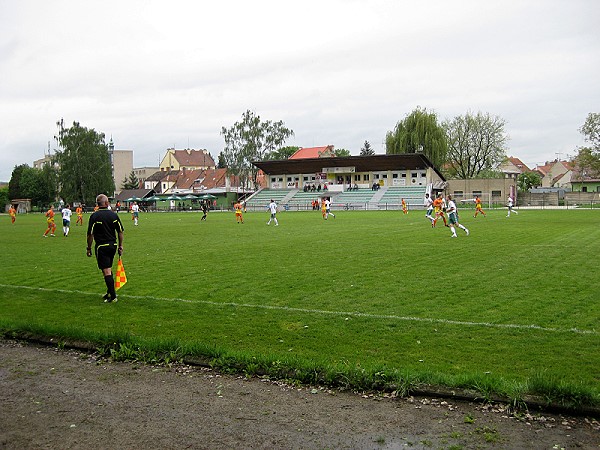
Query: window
384,176
356,177
366,177
304,178
403,175
289,178
423,174
413,175
496,193
273,180
478,193
280,179
458,193
584,189
394,175
376,176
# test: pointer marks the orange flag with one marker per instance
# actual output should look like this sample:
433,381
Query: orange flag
120,278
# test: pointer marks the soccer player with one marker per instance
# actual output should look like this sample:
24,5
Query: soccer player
50,221
105,228
66,218
273,210
79,212
12,212
135,213
439,205
328,212
478,208
453,217
204,206
238,213
509,204
404,207
428,204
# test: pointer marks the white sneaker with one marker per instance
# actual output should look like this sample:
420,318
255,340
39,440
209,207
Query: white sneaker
453,236
467,231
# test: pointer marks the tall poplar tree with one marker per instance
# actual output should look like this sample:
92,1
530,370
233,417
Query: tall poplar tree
418,132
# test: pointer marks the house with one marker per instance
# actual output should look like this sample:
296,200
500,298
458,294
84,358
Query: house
512,167
551,170
142,173
314,152
583,182
186,159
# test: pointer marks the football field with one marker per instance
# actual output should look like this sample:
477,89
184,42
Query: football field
368,299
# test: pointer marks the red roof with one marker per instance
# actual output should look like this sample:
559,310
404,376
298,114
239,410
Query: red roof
193,158
313,152
520,164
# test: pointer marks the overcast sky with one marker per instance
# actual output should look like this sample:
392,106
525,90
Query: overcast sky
156,74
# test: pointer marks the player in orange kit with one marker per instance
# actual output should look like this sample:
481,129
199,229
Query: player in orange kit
439,205
238,213
12,212
50,221
79,212
478,208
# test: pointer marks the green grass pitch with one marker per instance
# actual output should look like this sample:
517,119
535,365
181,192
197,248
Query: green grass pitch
516,303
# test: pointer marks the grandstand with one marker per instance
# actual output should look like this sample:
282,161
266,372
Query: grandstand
263,197
384,198
413,195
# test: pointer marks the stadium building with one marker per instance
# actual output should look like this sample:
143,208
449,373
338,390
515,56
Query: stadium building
353,182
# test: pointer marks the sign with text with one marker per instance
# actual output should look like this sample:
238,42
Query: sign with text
339,169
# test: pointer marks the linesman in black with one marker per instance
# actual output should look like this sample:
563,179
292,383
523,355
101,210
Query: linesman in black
105,227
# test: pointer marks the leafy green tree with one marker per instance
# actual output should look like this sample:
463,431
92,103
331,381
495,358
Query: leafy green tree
221,163
367,150
528,180
85,166
418,132
587,160
591,131
476,143
38,185
341,152
14,184
249,140
283,152
3,197
131,182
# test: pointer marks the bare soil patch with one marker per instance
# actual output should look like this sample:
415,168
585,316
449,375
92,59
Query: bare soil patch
53,399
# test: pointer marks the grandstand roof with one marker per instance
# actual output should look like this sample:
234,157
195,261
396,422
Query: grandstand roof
406,161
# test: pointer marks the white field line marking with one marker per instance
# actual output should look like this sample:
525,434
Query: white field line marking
325,312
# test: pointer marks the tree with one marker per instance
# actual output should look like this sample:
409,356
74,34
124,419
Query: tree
367,150
14,185
476,143
591,131
38,185
251,140
85,166
283,152
4,196
131,182
222,163
528,180
418,132
341,152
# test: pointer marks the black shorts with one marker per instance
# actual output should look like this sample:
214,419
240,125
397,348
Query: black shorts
105,254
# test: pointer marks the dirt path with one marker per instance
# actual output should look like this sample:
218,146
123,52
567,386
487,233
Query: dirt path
66,399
